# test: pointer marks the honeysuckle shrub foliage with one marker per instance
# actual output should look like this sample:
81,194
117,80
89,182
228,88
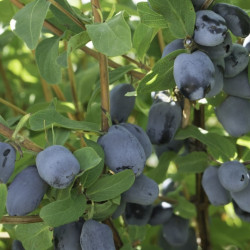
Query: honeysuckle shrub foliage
52,76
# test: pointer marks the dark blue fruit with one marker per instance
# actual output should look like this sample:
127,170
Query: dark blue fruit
122,150
144,191
242,198
120,105
234,115
221,50
241,213
237,19
57,166
237,61
194,74
215,192
218,82
174,145
7,161
25,192
174,45
190,244
210,28
175,230
164,119
136,214
68,236
238,85
17,245
161,213
96,235
141,136
233,176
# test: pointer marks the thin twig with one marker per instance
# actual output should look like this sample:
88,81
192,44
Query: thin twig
24,142
20,219
201,198
62,98
139,64
69,15
103,66
161,40
186,113
46,90
12,106
206,4
79,111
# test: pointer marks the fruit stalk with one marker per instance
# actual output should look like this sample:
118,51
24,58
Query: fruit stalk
201,198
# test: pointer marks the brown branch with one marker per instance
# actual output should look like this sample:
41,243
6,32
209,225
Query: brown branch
103,66
8,92
139,64
201,198
186,113
206,4
79,111
168,200
20,219
69,15
12,106
161,40
46,90
26,143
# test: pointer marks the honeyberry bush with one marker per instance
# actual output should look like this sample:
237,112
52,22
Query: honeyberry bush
60,61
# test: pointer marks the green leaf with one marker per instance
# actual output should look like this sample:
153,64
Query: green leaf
3,197
87,157
64,211
7,11
220,147
142,38
110,186
27,23
112,38
78,41
161,76
3,121
46,118
118,73
104,210
185,208
90,175
20,125
35,236
150,17
63,18
159,173
179,14
61,135
194,162
46,58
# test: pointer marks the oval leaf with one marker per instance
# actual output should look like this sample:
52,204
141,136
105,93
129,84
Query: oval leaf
46,58
108,187
112,38
64,211
28,22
